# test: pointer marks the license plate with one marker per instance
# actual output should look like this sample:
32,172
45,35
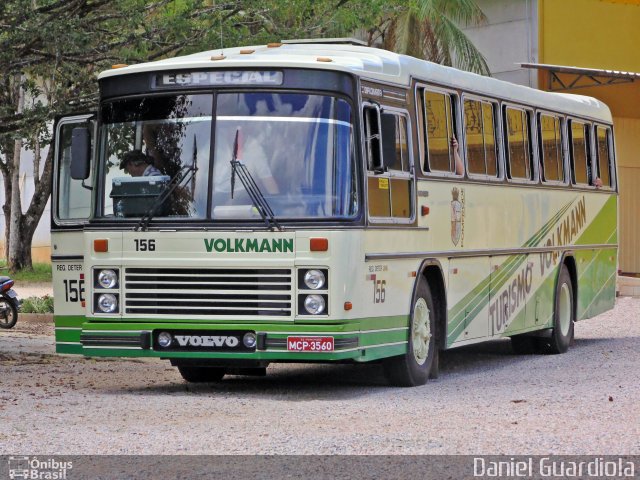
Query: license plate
310,344
12,294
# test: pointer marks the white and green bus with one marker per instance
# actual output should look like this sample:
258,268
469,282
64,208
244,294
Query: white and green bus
327,202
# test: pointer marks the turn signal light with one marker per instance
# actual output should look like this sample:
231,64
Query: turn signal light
101,245
348,306
318,244
425,210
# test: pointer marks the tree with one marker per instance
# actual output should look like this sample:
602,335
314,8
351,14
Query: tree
50,52
430,29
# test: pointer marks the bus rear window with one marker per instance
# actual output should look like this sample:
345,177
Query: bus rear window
603,137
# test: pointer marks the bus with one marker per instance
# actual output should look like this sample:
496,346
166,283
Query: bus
313,201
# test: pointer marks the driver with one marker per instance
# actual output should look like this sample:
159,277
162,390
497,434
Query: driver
138,164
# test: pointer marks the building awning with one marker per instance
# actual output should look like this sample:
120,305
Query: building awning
569,78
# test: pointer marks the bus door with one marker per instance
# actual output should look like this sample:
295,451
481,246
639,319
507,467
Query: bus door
70,211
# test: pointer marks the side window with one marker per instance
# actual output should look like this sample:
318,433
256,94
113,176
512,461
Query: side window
480,137
73,200
551,148
579,153
439,113
389,177
372,136
518,140
603,139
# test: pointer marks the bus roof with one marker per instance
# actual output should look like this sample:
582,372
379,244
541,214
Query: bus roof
374,64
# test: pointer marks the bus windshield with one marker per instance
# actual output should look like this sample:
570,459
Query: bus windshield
297,148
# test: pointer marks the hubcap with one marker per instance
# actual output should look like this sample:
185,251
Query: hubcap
421,331
564,310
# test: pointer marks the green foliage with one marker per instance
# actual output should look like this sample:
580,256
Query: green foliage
37,305
41,273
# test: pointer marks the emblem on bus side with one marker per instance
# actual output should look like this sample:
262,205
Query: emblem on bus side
457,216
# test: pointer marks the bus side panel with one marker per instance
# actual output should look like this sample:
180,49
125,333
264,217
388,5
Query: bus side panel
597,268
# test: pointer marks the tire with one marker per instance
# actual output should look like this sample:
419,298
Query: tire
421,360
8,313
563,315
201,374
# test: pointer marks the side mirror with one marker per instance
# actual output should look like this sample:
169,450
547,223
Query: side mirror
80,153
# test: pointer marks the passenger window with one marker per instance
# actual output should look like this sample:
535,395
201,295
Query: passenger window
519,144
480,138
551,148
439,120
579,153
389,166
603,137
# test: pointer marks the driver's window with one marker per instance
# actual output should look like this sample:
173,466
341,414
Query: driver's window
73,199
389,175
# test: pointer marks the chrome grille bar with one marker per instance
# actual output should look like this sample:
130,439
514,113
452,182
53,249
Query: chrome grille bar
209,291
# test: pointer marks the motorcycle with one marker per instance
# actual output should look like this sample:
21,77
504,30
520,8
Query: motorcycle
9,303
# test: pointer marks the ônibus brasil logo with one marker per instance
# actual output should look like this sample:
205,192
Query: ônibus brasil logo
36,468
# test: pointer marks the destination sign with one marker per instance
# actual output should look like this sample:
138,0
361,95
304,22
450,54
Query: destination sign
217,78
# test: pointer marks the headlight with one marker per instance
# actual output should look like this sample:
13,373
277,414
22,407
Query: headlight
314,279
314,304
107,303
107,278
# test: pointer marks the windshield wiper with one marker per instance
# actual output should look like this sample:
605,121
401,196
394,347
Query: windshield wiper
250,185
184,174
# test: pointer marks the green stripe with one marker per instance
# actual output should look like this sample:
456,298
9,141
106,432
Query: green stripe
473,303
69,320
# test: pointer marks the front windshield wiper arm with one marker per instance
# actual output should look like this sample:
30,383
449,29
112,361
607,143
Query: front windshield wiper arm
257,198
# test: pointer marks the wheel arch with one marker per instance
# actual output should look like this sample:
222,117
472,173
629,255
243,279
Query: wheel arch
432,273
569,261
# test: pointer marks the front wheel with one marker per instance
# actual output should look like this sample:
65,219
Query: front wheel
420,362
563,315
196,374
8,313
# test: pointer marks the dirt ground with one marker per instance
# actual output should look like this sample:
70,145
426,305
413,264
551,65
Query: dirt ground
487,401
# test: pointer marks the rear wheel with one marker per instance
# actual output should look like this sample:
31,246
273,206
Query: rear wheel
201,374
418,364
563,315
8,313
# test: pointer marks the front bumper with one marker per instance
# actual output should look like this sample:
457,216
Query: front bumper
364,340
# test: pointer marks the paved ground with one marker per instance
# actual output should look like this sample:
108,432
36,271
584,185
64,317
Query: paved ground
486,401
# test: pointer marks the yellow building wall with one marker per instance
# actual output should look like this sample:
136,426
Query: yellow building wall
603,34
628,148
39,253
590,33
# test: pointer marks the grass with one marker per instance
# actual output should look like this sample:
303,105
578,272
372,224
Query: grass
41,273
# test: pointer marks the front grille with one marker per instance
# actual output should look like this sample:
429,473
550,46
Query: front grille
228,292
